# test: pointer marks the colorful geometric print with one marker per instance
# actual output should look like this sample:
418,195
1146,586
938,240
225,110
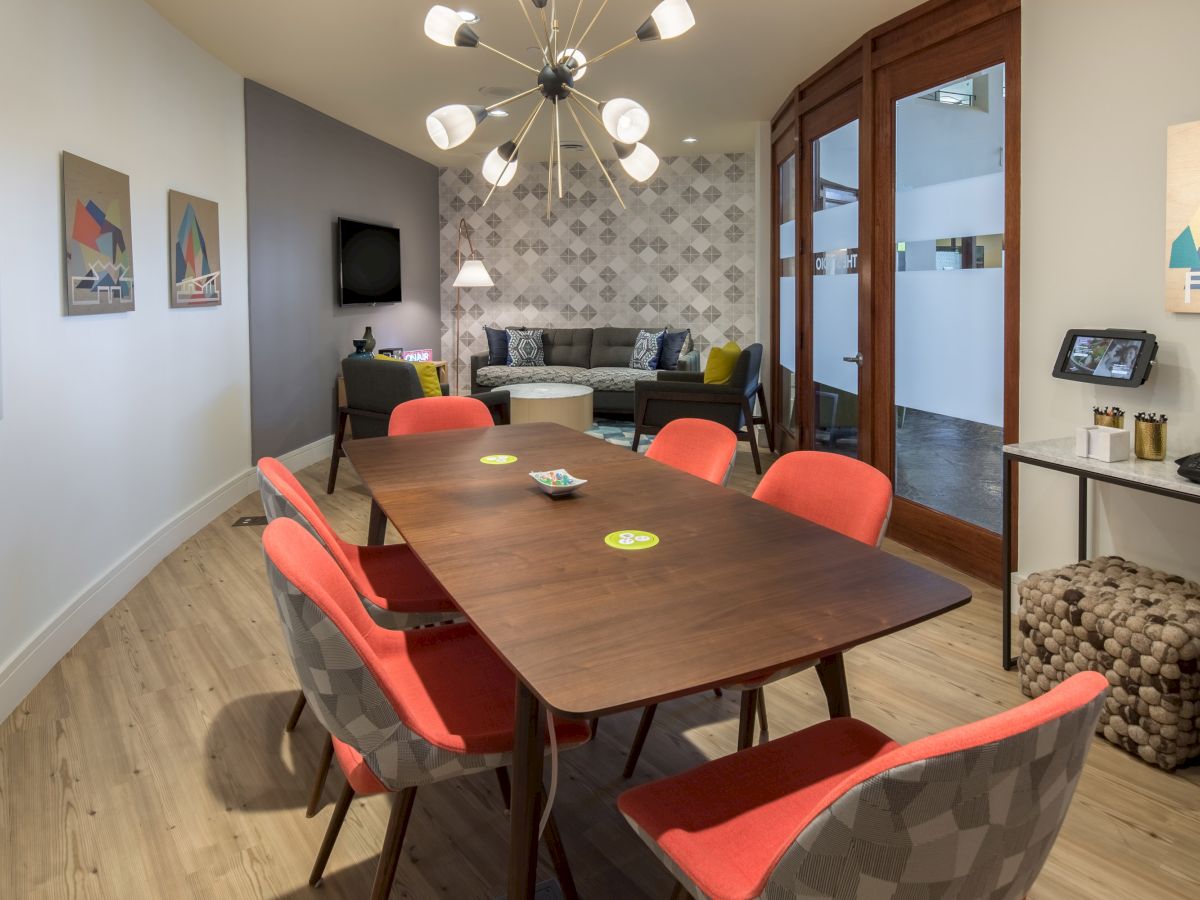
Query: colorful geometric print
525,347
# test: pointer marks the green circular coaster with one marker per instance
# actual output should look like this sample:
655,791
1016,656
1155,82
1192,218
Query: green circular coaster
631,540
498,459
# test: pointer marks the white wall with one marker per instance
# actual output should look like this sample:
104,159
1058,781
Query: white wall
114,426
1101,81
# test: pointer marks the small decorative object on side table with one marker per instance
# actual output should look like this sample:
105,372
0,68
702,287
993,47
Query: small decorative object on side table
360,350
1109,416
1150,436
369,340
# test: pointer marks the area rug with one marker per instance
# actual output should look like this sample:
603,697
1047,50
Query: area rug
618,432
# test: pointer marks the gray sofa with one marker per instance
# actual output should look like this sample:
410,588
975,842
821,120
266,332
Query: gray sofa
596,357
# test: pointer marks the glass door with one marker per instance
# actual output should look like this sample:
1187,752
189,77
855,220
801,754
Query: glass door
836,356
785,325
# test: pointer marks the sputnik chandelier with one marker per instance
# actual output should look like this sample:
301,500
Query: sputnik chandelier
563,66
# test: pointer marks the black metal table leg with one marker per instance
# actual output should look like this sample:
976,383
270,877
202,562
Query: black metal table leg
528,750
1083,517
1006,655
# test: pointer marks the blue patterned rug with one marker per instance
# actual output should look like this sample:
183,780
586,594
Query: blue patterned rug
619,432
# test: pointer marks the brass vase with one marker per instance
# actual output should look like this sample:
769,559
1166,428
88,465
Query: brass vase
1108,421
1150,440
369,340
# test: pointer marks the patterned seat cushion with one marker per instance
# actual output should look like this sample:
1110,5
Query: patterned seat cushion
498,376
614,378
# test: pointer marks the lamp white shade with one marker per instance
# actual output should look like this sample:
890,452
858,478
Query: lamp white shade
639,163
670,18
451,125
625,120
473,274
442,24
500,165
577,60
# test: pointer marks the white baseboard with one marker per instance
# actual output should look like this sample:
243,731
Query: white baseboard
22,671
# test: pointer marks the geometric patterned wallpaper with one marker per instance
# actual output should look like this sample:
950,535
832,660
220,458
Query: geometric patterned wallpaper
681,254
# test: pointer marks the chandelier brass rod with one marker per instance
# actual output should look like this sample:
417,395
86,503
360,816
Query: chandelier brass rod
586,31
554,29
558,139
596,155
585,108
550,171
506,56
513,98
575,90
574,19
611,50
545,33
533,30
520,137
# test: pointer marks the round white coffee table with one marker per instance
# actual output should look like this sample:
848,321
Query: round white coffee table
566,404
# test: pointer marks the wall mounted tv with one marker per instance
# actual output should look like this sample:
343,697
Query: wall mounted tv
368,263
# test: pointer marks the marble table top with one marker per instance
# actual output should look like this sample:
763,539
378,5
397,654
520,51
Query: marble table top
1061,451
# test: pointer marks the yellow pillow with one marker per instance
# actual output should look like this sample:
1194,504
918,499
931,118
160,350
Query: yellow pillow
721,360
430,383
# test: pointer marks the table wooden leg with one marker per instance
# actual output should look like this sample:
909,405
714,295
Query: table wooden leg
832,672
377,529
528,750
749,710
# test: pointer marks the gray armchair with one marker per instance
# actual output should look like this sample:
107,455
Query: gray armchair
684,395
374,387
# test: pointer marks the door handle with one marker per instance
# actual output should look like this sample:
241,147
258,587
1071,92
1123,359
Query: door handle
857,359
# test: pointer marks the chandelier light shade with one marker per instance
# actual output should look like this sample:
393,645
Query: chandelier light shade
670,19
444,25
473,274
501,164
451,125
563,64
638,160
625,120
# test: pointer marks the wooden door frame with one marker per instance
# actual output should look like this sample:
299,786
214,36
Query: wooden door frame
938,27
785,143
968,547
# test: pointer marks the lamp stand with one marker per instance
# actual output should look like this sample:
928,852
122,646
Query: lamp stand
464,232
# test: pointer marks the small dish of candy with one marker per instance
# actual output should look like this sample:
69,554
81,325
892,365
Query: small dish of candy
557,481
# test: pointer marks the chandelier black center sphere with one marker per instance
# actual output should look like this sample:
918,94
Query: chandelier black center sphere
563,64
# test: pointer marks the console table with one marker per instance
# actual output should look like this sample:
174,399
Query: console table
1059,454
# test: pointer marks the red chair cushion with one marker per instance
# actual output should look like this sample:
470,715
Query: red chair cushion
727,823
361,778
395,578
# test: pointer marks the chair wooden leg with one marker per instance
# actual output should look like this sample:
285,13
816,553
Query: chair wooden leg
752,430
639,739
331,834
318,788
505,786
336,458
766,418
746,719
679,892
393,843
562,868
294,716
762,710
717,692
594,725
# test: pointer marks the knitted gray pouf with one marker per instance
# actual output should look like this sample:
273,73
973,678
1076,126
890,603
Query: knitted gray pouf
1141,629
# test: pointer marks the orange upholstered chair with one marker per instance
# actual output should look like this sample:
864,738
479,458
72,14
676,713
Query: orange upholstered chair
426,414
396,590
835,491
841,811
699,447
406,708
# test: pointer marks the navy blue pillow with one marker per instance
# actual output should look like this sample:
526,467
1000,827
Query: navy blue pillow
497,339
673,343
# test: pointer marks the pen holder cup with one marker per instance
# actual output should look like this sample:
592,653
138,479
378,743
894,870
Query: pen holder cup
1109,421
1150,440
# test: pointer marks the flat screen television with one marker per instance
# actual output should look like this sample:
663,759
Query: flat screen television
368,263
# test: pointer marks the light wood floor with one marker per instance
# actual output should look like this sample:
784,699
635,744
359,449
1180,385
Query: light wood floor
151,762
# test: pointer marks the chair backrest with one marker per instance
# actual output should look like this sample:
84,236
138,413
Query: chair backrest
426,414
332,644
748,369
841,493
284,497
378,386
696,446
970,812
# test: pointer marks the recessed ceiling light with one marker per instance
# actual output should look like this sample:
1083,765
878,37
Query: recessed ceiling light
690,140
499,113
467,16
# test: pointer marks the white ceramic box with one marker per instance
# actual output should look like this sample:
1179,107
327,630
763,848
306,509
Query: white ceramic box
1103,443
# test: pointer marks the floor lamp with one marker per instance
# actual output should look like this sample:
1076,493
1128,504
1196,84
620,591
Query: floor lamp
471,273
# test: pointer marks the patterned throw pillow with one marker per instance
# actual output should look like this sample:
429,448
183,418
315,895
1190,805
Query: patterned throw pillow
525,347
497,339
646,349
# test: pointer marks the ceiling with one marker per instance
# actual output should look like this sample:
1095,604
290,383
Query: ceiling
369,64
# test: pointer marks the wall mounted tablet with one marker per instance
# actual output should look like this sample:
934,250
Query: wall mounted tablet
1111,356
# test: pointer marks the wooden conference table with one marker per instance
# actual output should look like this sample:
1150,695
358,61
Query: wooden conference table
735,587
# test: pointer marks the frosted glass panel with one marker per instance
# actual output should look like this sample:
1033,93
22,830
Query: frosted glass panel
786,333
835,289
949,300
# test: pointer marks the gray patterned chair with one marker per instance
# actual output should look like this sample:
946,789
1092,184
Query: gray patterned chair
405,708
840,811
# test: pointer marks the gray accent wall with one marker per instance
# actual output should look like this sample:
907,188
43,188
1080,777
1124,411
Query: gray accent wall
304,170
